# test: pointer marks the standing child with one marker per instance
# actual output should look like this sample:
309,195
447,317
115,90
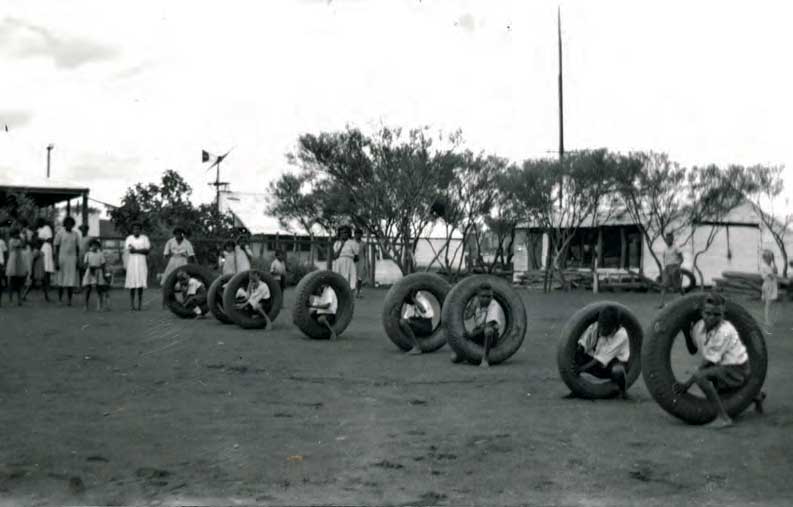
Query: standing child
604,349
258,294
94,277
770,292
44,233
324,307
278,269
725,362
16,269
417,319
195,295
671,278
3,250
227,259
242,254
360,262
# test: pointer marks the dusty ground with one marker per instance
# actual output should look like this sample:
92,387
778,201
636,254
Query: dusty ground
121,408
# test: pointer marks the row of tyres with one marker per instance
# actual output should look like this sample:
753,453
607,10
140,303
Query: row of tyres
223,296
650,358
650,348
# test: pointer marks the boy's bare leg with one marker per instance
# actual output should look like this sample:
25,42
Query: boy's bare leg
405,327
322,319
703,381
87,297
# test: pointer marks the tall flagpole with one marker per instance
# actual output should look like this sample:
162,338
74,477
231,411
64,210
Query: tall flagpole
561,102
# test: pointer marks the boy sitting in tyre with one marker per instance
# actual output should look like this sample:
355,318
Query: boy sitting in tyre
604,349
416,319
323,308
725,364
489,322
257,295
195,294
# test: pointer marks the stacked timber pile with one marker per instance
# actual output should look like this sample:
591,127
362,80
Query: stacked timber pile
749,285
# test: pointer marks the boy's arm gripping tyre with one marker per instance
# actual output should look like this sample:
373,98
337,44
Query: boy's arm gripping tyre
245,318
308,285
392,310
453,319
568,342
657,366
215,298
169,288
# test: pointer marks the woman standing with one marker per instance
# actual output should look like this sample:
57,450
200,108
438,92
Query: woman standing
178,251
242,254
137,246
66,246
345,254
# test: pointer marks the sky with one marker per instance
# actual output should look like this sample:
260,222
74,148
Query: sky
126,90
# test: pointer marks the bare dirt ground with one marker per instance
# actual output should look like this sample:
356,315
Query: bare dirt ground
144,408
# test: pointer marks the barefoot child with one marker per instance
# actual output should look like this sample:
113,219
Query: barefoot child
227,260
725,362
94,262
195,293
417,319
360,263
324,307
278,269
489,322
671,278
604,349
770,290
258,293
16,269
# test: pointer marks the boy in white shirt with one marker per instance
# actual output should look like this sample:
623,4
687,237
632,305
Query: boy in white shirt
489,323
258,294
604,349
195,293
671,278
324,308
417,319
725,364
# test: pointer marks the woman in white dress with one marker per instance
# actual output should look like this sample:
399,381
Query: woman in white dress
44,233
137,246
179,251
345,255
66,246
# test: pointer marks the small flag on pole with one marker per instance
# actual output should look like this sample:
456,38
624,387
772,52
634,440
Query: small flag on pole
208,157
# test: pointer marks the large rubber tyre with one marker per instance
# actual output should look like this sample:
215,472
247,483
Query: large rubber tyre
248,319
215,298
169,289
453,318
692,280
306,288
568,342
392,310
657,367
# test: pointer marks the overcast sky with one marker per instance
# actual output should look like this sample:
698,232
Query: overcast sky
126,90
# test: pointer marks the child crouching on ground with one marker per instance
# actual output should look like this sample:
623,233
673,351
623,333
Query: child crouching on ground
416,319
604,349
195,295
258,294
725,361
94,276
324,307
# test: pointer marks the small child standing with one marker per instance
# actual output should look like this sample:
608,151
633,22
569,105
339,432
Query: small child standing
195,293
94,277
16,268
770,289
671,277
604,349
228,259
324,307
258,294
278,269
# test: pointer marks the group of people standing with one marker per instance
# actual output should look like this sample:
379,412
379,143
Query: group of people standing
46,257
